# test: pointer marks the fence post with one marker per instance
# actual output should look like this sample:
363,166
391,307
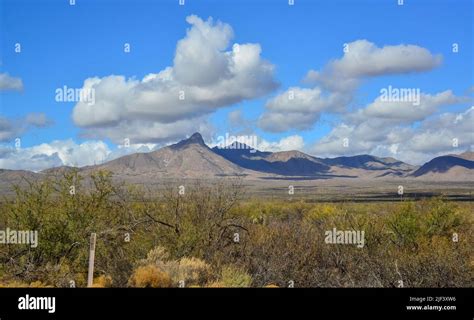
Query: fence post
90,276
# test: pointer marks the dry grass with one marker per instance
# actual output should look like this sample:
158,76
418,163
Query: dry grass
209,236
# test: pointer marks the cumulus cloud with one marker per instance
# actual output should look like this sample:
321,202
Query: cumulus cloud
143,131
205,76
36,119
379,132
436,135
363,59
335,85
54,154
8,130
8,82
294,142
200,59
408,111
299,108
236,119
14,128
64,153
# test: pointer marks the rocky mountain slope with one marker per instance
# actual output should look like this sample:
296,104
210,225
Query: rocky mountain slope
192,158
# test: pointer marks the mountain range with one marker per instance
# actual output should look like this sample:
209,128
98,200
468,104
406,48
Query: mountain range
192,158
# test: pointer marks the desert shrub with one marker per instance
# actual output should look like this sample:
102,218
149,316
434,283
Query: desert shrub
102,281
19,284
191,237
64,222
187,271
442,218
405,225
156,256
321,212
282,252
260,212
200,222
233,277
439,262
193,271
150,276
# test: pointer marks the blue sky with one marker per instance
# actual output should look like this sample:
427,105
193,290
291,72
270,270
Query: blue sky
64,45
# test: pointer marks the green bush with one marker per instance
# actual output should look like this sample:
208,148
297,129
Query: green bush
191,237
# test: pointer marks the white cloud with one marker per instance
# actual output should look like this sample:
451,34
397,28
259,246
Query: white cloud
54,154
294,142
436,135
199,59
8,130
407,111
433,137
204,76
299,108
39,120
13,128
363,59
142,131
8,82
64,153
235,118
335,86
249,138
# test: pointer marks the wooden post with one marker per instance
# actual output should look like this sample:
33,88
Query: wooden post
90,276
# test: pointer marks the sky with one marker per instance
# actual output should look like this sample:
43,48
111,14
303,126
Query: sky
317,76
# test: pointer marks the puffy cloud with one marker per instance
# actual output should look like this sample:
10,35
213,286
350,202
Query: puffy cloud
14,128
199,59
8,130
143,131
64,153
236,119
249,138
363,59
123,150
280,122
54,154
335,86
406,111
365,138
299,108
204,77
382,124
434,136
294,142
8,82
39,120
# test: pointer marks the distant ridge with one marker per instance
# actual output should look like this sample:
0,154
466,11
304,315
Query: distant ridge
446,167
192,158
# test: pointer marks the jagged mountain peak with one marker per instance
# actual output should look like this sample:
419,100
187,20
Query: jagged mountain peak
194,139
192,158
